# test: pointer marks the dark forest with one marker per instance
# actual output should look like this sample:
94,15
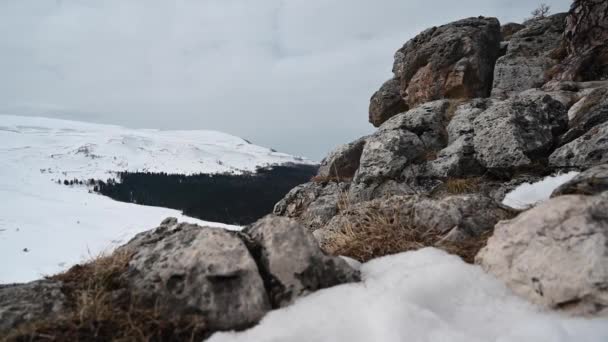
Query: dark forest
228,198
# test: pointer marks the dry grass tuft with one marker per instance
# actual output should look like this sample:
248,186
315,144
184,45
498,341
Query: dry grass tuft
456,186
378,233
102,309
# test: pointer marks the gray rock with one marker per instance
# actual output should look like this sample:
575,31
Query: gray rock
529,55
586,151
590,182
292,262
555,254
386,153
361,192
343,162
587,113
516,133
428,122
456,160
473,214
386,103
450,61
313,204
187,269
463,118
23,303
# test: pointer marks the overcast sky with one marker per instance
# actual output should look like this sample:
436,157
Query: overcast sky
295,75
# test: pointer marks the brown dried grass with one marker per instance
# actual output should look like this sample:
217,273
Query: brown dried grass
102,309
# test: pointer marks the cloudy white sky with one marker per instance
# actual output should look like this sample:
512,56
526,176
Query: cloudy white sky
295,75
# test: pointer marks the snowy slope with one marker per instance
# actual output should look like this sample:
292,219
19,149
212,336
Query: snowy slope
46,227
422,296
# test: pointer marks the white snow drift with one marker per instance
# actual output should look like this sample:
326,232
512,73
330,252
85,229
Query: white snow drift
425,295
527,195
46,227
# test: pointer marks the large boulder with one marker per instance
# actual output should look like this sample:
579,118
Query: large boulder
519,132
456,160
450,61
314,203
592,181
585,40
530,54
386,103
555,254
342,162
588,150
291,261
185,269
35,301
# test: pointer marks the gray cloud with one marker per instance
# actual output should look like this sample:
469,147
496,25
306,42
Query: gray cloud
295,75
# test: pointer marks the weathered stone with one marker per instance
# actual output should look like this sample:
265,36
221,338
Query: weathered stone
456,160
428,122
585,40
530,54
23,303
517,133
361,192
386,153
509,29
386,103
590,182
471,213
450,61
555,254
587,113
313,204
586,151
343,162
187,269
464,116
292,262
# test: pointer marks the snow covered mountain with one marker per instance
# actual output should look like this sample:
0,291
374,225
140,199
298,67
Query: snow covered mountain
46,227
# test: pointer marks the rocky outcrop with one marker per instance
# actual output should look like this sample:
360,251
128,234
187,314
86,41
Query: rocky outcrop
590,182
386,103
555,254
343,162
585,40
517,133
22,303
586,151
530,54
291,261
450,61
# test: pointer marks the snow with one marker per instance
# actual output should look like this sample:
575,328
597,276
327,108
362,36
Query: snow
46,227
426,295
527,195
